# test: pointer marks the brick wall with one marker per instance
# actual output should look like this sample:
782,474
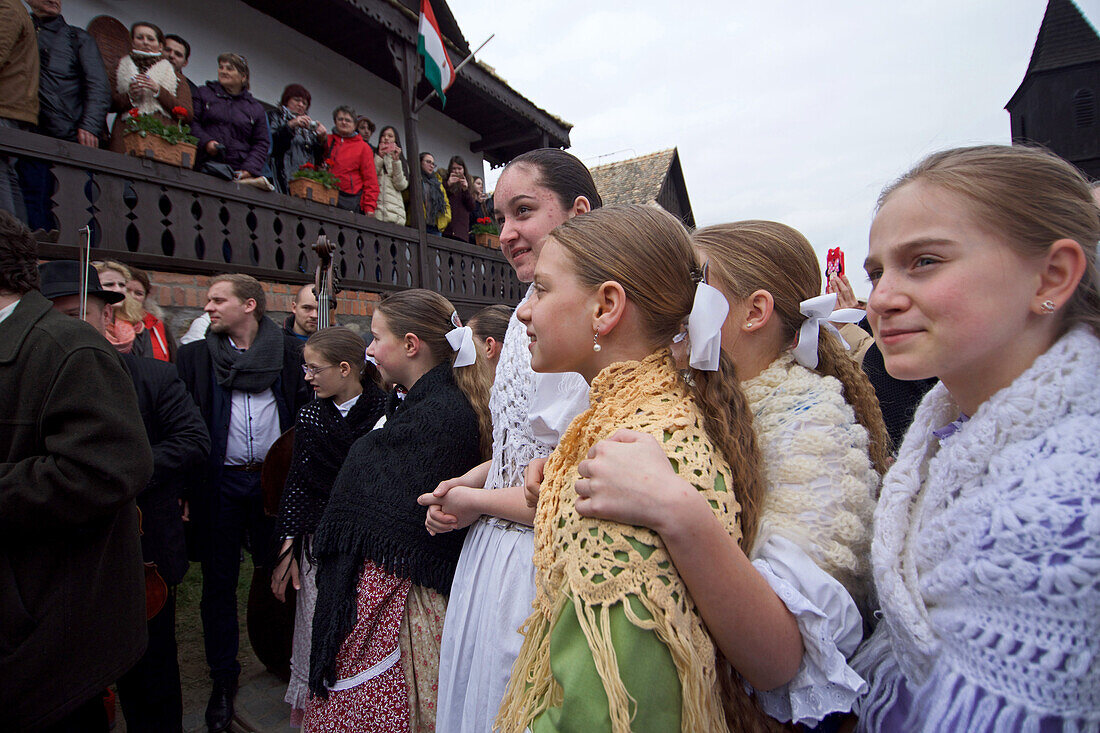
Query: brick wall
183,296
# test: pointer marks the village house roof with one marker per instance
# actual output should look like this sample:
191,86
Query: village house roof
656,178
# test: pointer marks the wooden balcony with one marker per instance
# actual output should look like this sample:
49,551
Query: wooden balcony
170,219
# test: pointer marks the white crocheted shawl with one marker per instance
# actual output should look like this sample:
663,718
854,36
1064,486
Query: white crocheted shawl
515,444
986,552
821,484
162,73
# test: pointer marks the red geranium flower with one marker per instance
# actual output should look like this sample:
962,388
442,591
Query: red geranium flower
309,166
179,112
134,113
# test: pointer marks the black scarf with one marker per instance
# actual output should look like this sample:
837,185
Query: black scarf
434,199
372,514
253,370
322,439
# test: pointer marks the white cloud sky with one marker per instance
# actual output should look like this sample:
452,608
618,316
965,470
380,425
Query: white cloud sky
797,111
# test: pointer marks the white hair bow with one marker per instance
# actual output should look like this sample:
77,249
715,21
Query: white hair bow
461,340
708,313
819,312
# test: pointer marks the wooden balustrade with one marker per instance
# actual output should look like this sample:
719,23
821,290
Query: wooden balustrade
171,219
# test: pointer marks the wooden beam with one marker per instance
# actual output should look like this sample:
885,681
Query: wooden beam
406,61
484,144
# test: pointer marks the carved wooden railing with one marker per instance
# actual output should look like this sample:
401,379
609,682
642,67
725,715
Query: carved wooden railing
171,219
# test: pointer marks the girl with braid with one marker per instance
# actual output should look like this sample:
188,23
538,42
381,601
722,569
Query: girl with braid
617,641
824,447
382,581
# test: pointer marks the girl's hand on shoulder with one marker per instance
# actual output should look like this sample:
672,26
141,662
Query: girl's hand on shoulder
628,479
532,481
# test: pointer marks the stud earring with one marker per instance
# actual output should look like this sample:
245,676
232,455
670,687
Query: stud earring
749,324
595,339
1048,307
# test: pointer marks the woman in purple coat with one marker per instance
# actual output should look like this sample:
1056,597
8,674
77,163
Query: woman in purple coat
230,124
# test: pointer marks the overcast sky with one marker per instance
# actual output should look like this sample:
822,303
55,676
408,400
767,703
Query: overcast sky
797,111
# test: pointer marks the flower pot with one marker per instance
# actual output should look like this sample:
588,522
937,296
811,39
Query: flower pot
304,188
492,241
157,148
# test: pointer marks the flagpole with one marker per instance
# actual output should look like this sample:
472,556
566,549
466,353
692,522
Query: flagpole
464,62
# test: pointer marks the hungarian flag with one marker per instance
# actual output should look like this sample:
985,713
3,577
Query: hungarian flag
437,66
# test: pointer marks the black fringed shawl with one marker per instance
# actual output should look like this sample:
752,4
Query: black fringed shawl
322,439
430,436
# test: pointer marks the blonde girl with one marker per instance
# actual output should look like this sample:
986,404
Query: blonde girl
617,642
987,533
824,447
382,581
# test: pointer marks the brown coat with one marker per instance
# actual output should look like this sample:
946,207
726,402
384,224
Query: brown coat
18,63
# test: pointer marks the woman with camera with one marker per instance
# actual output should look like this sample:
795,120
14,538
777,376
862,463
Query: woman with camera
393,177
296,138
460,195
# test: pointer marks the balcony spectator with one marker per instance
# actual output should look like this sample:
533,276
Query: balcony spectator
352,161
461,198
18,93
296,138
483,204
73,98
437,209
140,289
178,52
393,177
148,82
230,124
366,128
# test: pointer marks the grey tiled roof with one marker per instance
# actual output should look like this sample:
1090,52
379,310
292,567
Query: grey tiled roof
634,181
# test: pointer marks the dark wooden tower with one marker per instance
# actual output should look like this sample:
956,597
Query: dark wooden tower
1058,102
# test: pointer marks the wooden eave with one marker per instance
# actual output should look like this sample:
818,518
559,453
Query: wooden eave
509,124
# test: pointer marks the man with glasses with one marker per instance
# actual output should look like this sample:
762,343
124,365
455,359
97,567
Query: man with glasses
246,377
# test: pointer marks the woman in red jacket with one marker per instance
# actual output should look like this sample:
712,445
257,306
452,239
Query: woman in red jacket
351,160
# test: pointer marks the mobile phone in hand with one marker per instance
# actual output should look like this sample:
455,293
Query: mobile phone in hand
834,263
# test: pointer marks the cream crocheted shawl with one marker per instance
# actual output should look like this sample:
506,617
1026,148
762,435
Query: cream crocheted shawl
575,572
821,484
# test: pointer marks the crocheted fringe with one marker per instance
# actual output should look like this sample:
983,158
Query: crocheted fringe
345,537
529,694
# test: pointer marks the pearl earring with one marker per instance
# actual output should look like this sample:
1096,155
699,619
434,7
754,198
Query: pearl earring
595,346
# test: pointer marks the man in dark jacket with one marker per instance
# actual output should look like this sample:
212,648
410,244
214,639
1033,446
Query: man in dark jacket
178,52
302,321
73,99
150,691
73,455
247,379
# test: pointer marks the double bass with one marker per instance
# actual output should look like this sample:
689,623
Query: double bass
271,622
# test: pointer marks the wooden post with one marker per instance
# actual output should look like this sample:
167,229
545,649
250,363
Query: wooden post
406,61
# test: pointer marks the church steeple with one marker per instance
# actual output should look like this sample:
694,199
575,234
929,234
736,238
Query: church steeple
1056,104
